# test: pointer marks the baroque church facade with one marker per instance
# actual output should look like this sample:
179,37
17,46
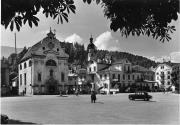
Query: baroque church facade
44,68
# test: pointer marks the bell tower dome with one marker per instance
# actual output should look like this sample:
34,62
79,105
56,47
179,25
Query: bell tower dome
91,48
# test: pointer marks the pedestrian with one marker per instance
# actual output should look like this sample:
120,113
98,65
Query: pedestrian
93,96
76,92
60,92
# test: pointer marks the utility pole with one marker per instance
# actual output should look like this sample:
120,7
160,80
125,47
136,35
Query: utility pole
15,44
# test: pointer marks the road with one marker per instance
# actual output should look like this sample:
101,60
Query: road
109,109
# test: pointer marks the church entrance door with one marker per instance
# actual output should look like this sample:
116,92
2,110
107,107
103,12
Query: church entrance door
52,86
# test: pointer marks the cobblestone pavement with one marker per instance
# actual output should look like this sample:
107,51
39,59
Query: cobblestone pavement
109,109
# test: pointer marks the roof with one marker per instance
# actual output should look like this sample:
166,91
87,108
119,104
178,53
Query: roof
44,43
121,61
141,69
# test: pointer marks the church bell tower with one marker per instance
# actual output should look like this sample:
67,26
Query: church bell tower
91,50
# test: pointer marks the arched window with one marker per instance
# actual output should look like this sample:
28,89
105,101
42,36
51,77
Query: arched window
50,63
25,65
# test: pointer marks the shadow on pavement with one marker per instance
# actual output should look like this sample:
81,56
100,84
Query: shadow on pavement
100,102
12,121
144,101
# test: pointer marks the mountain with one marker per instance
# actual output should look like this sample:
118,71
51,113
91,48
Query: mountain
6,51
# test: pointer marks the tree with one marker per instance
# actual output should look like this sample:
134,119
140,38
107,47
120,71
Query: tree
16,12
135,17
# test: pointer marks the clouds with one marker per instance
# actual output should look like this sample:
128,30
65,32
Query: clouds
173,57
106,41
74,38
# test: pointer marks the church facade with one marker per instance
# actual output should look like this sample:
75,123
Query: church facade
44,68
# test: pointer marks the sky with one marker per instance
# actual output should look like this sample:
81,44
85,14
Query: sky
89,20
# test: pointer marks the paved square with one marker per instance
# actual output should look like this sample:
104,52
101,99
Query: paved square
46,109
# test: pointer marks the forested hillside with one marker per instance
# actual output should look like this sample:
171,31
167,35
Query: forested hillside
78,55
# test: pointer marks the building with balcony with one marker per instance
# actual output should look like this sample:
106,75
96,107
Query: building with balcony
163,75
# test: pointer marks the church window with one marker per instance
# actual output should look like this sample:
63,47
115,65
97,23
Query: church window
20,67
30,63
24,78
57,49
24,65
39,77
51,73
62,77
20,79
50,63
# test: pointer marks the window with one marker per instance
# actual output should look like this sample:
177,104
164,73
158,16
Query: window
105,76
123,77
94,68
162,67
39,77
133,77
100,76
168,72
89,69
25,65
138,77
128,77
119,77
168,77
30,63
51,73
168,82
113,76
157,78
24,78
62,77
57,49
50,63
128,69
20,79
43,48
157,73
20,66
105,85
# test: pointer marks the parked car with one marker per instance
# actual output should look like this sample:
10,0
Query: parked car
4,119
140,95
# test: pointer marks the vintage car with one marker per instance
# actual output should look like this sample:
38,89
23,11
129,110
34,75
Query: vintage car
140,95
4,119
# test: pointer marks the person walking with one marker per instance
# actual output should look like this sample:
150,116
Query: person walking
93,96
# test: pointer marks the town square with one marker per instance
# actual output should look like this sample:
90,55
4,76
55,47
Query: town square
111,109
90,62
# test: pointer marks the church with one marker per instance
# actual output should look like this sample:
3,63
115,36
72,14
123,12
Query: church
44,68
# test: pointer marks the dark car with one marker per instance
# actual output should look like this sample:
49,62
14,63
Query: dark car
140,95
4,119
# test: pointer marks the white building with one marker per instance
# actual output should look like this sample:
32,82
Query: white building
163,75
111,77
44,68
